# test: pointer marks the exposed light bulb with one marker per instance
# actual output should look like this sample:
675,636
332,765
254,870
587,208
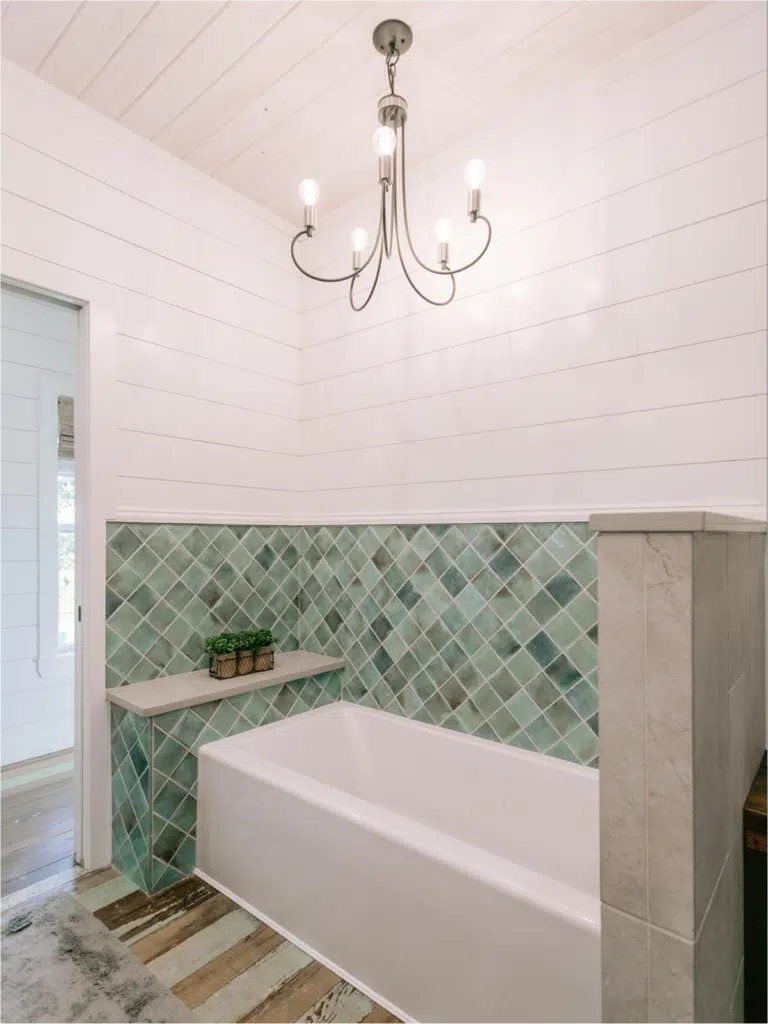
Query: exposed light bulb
443,230
309,192
359,239
384,141
474,173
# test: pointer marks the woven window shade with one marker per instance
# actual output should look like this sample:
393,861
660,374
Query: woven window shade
66,427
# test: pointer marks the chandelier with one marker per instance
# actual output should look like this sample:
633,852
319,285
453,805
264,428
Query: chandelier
393,38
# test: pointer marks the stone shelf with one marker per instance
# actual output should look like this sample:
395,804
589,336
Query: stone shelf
184,691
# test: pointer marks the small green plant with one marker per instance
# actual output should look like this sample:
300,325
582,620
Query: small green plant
265,638
254,639
224,643
248,640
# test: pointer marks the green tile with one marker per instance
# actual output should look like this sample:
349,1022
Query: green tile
542,565
543,733
523,708
124,620
583,742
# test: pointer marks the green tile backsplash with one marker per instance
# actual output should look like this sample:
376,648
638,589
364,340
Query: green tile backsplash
168,587
485,629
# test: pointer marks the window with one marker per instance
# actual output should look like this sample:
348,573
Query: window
65,519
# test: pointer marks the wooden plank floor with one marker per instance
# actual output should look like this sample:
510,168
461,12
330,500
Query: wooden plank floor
38,838
225,964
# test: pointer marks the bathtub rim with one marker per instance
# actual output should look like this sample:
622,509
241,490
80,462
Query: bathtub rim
348,709
534,888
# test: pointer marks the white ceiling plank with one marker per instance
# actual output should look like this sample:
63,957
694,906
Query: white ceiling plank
501,35
539,71
204,61
163,34
346,75
304,28
31,27
99,28
325,66
261,94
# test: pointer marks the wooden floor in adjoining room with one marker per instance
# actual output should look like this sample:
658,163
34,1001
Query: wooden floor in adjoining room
38,839
218,959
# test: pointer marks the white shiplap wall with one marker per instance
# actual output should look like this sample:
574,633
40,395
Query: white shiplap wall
194,281
38,344
609,351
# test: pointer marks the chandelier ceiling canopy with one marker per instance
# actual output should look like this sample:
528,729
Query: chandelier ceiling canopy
393,38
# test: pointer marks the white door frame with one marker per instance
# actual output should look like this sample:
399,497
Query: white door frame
94,505
94,481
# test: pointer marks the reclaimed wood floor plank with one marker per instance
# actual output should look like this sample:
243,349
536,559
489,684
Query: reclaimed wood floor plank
296,996
188,924
379,1015
136,909
200,949
93,879
208,980
113,889
254,985
344,1003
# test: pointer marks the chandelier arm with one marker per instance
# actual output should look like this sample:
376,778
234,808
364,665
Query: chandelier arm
355,273
315,277
359,309
409,279
425,266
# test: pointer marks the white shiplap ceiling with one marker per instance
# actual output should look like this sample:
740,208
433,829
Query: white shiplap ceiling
262,94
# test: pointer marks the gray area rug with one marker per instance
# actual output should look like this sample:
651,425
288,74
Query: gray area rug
59,963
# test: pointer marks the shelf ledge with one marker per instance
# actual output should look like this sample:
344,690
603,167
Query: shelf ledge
170,693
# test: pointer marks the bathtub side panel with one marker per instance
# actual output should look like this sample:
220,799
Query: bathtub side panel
428,938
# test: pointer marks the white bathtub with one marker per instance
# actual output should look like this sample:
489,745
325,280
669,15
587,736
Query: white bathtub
450,878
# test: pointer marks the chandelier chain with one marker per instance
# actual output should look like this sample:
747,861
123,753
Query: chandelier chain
392,58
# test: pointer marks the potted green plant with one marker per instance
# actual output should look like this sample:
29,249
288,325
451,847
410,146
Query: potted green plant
264,641
222,651
245,651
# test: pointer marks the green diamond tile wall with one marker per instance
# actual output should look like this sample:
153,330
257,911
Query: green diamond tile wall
154,764
485,629
131,758
168,587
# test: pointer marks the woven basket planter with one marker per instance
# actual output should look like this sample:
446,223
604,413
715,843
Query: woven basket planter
264,659
244,663
223,666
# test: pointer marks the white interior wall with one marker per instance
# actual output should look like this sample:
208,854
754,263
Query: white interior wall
195,282
190,360
609,351
38,346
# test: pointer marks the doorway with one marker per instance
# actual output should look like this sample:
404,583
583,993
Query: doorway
39,357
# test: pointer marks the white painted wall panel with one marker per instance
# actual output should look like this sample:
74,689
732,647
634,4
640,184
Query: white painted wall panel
610,350
20,544
192,281
38,341
19,577
19,609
